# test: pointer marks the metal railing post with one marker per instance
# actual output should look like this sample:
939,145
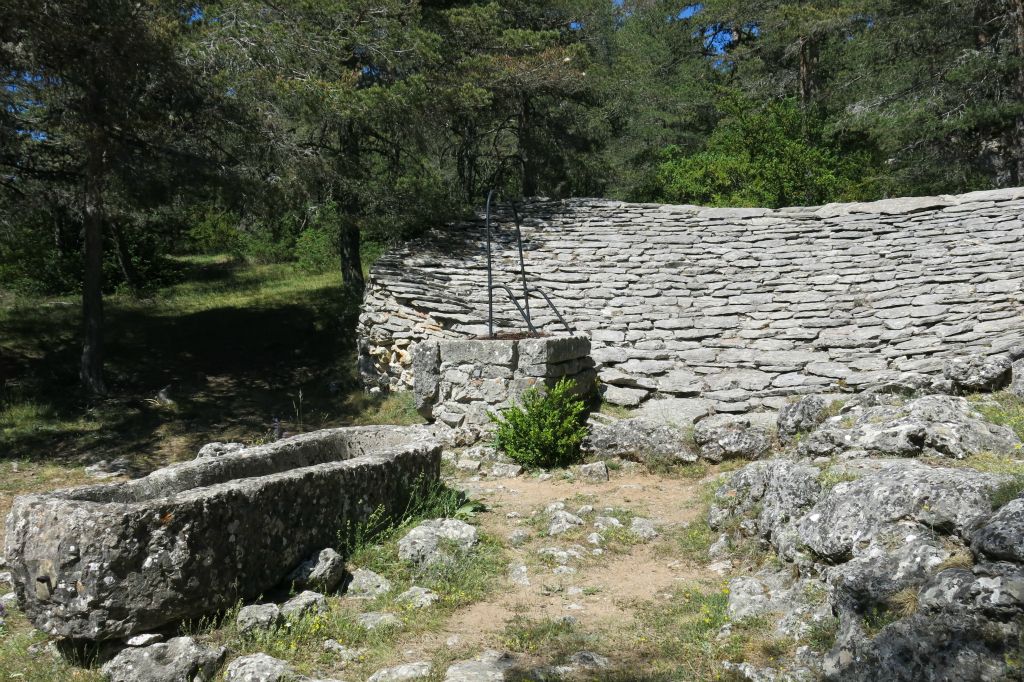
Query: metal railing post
490,276
522,266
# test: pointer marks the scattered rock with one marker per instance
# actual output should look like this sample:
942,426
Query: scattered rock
145,639
588,660
1016,381
560,556
505,470
403,673
466,464
721,437
181,659
604,522
367,585
751,673
303,604
374,620
719,548
323,572
561,521
638,439
490,666
518,574
418,597
218,449
643,529
259,668
343,653
720,567
518,537
426,543
109,469
596,472
976,373
258,617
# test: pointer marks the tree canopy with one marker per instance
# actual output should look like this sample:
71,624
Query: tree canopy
131,130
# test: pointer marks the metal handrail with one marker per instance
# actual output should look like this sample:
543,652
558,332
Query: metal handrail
512,297
527,290
553,308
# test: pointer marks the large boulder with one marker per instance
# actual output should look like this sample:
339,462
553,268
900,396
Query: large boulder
721,437
181,659
934,425
638,439
111,561
1001,538
802,416
258,617
976,373
853,512
880,549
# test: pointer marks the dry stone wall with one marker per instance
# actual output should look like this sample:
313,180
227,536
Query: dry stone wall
459,382
743,307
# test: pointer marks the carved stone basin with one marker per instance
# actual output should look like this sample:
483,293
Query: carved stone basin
109,561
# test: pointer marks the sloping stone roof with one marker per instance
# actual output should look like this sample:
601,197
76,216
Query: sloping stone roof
743,306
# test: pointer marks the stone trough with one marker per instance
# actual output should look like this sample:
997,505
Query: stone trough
110,561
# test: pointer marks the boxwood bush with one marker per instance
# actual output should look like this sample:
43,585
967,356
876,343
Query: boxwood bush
546,430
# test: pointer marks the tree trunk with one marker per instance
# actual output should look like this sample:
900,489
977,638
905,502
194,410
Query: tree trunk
124,259
91,372
1016,152
526,146
351,261
808,64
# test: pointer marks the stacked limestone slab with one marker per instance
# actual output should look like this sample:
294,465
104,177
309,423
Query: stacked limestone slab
743,307
458,382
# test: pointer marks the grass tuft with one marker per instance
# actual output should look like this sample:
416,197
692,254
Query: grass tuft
1002,408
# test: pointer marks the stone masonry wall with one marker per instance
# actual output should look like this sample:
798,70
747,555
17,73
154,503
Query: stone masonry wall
458,382
741,306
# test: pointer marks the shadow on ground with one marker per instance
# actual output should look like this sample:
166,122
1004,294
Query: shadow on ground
230,371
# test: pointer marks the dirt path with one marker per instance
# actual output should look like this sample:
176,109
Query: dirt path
599,591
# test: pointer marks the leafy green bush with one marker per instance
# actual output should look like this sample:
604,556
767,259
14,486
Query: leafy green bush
214,231
764,155
547,430
317,250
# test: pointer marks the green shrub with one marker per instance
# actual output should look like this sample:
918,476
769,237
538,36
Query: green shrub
214,232
316,250
547,430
